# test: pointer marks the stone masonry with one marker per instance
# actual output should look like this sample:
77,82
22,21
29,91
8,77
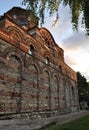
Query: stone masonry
34,77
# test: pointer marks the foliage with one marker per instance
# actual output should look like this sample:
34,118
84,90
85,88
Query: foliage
83,88
40,7
78,124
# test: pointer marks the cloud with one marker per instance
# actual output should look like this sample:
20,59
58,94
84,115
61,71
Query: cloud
70,60
87,77
76,50
78,61
86,74
76,42
63,27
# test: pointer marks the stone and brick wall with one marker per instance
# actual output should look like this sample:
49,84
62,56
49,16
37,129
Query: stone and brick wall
27,83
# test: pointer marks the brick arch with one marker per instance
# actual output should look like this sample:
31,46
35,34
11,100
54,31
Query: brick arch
34,87
55,73
45,90
59,76
30,61
47,37
15,34
47,54
14,74
35,66
13,51
30,41
47,68
47,72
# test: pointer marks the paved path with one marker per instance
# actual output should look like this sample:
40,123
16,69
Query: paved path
27,124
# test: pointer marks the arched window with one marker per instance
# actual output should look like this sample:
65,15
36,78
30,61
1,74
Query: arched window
31,50
47,61
21,21
60,68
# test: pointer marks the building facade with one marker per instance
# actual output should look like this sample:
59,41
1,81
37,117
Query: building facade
34,77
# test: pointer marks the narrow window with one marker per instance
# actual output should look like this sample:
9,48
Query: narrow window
21,21
47,61
31,50
60,69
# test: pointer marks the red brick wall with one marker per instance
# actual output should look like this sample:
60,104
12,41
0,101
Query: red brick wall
27,83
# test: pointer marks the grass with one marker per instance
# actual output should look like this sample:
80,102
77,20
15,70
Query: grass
78,124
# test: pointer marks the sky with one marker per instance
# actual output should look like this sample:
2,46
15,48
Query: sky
74,43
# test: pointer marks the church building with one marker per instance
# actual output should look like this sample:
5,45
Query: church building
34,78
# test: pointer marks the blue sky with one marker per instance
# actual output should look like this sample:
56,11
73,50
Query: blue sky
75,44
8,4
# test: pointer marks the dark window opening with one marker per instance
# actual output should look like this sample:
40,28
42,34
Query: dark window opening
31,50
22,22
60,69
47,61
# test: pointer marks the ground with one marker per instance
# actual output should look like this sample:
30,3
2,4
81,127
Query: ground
27,124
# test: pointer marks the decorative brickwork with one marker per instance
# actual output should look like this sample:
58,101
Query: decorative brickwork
29,83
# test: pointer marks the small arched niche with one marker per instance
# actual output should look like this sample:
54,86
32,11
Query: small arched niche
31,50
